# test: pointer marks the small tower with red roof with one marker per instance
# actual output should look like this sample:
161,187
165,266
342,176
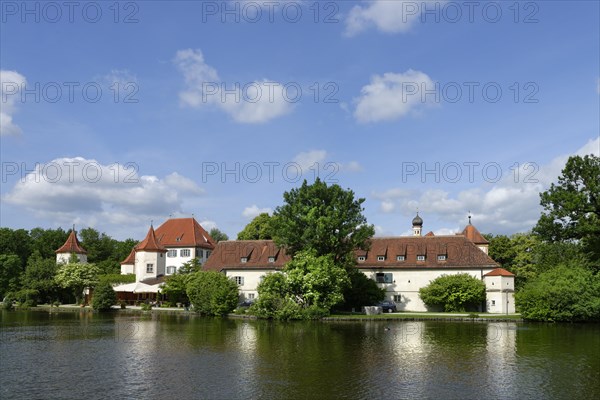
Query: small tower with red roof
149,257
71,246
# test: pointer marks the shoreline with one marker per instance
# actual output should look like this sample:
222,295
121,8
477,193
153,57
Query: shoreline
401,316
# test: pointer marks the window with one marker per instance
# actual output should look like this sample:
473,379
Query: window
207,253
361,258
244,259
172,253
441,257
171,270
184,252
199,253
400,258
397,298
380,258
250,296
421,258
381,277
149,267
271,259
493,302
239,280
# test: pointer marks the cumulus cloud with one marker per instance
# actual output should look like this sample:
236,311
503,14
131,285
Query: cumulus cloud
508,206
254,211
246,102
314,160
79,189
11,84
394,95
397,16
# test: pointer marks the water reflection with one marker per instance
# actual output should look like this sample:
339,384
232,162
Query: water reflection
182,356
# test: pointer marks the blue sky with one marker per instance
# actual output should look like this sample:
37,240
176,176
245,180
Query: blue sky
212,109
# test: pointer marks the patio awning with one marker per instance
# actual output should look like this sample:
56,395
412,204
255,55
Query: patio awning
137,287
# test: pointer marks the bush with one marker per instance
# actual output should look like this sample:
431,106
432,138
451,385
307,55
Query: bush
104,297
453,292
146,307
362,291
563,293
26,297
212,293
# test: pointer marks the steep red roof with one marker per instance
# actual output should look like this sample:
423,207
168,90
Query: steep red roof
150,244
499,272
72,245
454,251
229,254
473,235
130,258
184,232
430,233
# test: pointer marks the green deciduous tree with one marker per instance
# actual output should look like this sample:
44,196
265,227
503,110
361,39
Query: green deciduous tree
39,276
10,273
77,276
16,242
104,297
453,292
565,293
327,219
258,229
212,293
572,206
175,287
218,235
361,292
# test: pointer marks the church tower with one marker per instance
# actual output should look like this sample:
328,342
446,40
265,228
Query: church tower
417,225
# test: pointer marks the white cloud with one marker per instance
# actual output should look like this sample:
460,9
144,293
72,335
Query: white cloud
79,189
120,76
397,16
11,83
307,159
246,102
254,210
317,159
393,96
509,206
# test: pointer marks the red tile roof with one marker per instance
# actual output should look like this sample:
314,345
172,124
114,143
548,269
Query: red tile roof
229,254
499,272
458,250
430,233
150,244
72,245
130,258
184,232
473,235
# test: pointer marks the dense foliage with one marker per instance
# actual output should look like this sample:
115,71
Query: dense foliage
104,297
77,276
563,293
362,291
175,288
218,235
326,219
453,292
212,293
258,229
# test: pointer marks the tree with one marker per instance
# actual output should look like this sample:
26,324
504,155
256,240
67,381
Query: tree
212,293
175,287
361,292
99,246
453,292
39,276
218,235
10,273
325,218
46,241
104,297
501,250
572,206
16,242
258,229
565,293
77,276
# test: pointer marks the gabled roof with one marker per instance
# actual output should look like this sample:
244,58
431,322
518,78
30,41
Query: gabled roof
459,252
473,235
499,272
183,232
130,260
150,244
229,254
71,245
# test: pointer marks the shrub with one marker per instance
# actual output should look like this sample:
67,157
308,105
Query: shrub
453,292
563,293
146,307
212,293
104,297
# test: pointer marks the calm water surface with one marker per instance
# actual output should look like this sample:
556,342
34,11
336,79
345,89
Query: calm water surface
91,356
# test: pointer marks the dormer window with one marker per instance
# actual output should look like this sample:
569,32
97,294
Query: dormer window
400,258
442,257
421,257
271,259
361,258
380,258
244,260
178,239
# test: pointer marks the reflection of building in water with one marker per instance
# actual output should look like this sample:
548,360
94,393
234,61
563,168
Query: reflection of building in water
401,265
501,358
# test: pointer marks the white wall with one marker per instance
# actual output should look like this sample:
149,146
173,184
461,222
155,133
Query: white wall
179,260
63,258
142,258
251,280
127,269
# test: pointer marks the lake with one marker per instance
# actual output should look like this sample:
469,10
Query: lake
155,356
